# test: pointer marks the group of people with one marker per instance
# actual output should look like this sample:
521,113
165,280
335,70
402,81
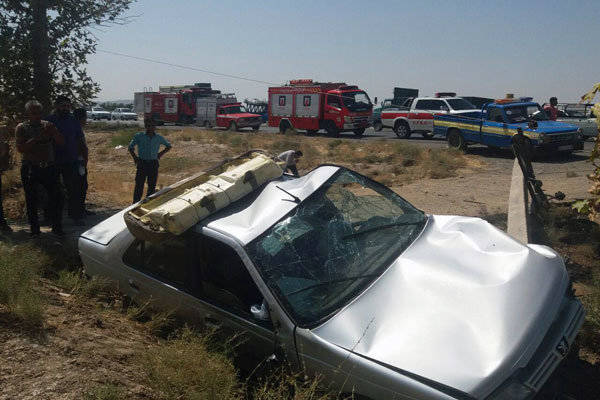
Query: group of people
54,156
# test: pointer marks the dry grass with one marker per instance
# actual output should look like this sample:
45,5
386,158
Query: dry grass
20,268
184,368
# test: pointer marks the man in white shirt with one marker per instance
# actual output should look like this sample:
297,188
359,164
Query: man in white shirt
290,158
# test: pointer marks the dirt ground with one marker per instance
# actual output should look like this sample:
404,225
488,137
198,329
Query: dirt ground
81,346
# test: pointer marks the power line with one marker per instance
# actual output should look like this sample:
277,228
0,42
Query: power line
185,67
200,70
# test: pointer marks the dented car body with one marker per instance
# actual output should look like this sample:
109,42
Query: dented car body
347,280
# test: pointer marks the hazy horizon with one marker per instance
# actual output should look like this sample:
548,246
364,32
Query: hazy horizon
539,49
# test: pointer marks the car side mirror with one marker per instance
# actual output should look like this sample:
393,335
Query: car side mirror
260,312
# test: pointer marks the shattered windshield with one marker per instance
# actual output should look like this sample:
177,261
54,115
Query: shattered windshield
334,244
523,113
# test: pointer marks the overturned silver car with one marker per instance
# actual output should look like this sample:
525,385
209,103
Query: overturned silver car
349,281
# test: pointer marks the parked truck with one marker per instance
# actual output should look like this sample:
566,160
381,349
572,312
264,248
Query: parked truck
306,105
176,103
497,122
415,115
223,110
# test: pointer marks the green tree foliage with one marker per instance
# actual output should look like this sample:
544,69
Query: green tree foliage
44,45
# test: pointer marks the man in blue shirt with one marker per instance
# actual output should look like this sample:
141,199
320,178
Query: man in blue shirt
66,156
148,144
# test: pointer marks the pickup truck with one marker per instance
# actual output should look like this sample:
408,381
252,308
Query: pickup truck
497,122
416,114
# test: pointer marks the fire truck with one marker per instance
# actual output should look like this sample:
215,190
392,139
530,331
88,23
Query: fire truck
176,103
306,105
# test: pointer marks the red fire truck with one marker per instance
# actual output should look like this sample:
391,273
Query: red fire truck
311,106
176,103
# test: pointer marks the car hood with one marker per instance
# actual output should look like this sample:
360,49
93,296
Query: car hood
550,127
244,115
464,306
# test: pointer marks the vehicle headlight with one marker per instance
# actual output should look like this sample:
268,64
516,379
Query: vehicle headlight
513,390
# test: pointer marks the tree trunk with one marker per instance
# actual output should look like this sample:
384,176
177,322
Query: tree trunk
40,50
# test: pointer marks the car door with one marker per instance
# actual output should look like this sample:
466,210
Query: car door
421,117
222,119
227,293
203,281
494,131
333,109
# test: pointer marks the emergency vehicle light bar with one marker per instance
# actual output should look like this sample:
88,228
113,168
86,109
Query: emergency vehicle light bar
445,94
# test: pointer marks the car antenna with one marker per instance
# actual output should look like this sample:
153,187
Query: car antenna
296,198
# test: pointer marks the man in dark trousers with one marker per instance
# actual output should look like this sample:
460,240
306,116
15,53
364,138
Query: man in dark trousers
80,115
66,156
148,144
36,140
291,157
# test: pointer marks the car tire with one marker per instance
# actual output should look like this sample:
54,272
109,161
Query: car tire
378,126
332,130
402,130
284,126
456,140
233,126
359,132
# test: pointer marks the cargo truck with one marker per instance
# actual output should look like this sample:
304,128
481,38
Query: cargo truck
311,106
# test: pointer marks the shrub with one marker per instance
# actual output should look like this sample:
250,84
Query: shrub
184,368
19,272
106,391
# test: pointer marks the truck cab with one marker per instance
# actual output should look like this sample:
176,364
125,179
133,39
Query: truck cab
347,109
234,116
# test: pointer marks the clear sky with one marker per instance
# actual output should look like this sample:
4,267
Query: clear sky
478,48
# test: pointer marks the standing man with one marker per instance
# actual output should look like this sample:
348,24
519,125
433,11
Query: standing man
291,157
4,165
146,160
66,156
551,108
80,115
36,140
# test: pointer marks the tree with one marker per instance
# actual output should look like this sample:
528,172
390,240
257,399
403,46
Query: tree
44,45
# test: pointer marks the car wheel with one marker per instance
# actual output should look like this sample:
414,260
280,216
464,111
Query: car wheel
284,126
233,126
312,131
456,140
378,126
359,132
402,129
427,135
332,130
255,128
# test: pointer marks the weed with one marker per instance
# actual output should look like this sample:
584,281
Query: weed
19,272
76,282
106,391
122,137
334,143
184,368
443,163
282,384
